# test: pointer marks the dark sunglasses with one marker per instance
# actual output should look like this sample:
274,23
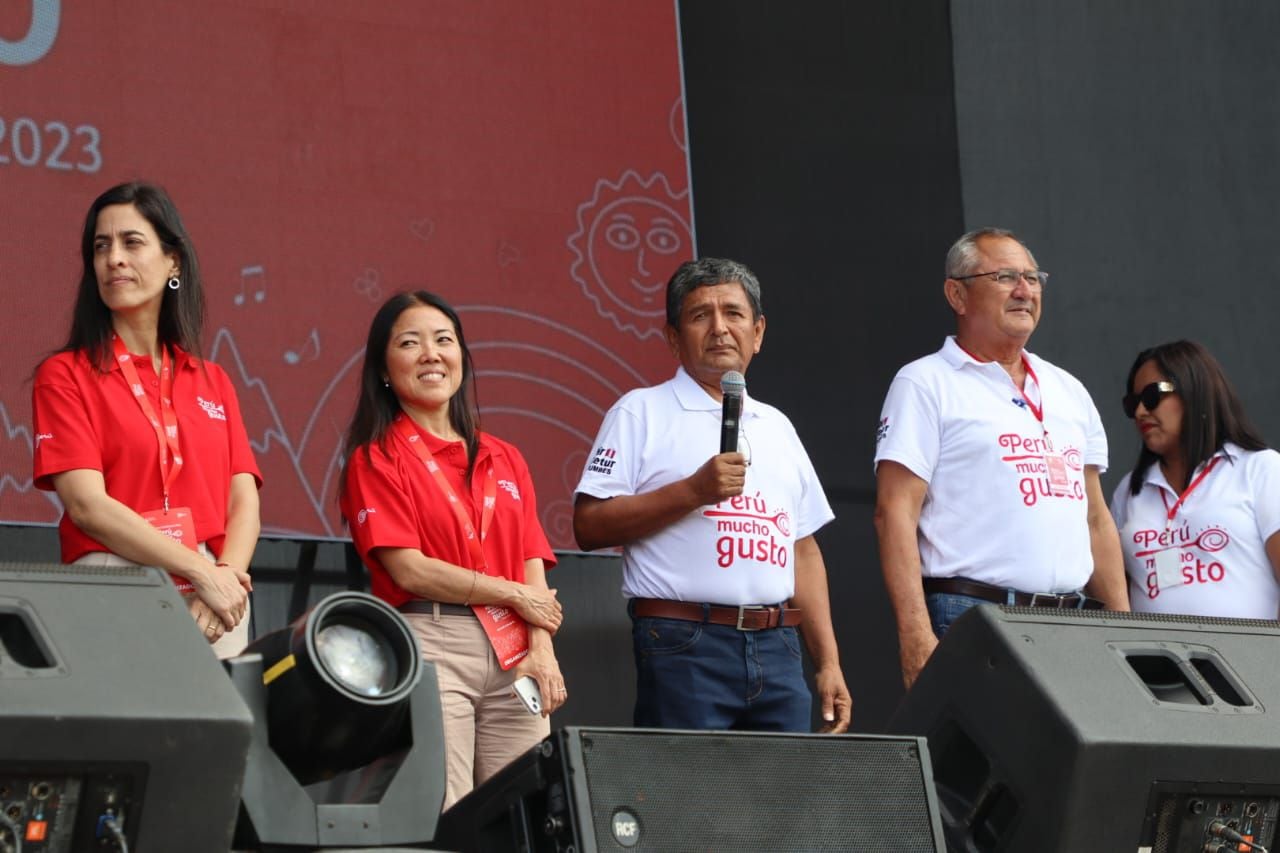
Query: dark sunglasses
1149,397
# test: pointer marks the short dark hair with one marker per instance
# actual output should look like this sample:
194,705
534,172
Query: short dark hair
377,405
1212,413
181,310
705,272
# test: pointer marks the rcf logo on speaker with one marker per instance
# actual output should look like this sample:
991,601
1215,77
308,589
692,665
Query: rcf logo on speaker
626,828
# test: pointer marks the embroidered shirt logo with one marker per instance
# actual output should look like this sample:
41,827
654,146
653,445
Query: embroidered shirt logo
511,488
41,436
212,409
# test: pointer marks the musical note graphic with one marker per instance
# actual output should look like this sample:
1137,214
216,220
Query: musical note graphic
367,284
508,254
312,346
258,274
422,229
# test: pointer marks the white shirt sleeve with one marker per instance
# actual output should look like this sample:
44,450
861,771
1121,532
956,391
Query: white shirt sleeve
1264,484
908,432
613,465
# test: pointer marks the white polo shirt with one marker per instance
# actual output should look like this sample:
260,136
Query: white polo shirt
739,551
990,513
1220,533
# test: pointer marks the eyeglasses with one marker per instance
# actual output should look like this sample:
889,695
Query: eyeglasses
1009,278
1149,397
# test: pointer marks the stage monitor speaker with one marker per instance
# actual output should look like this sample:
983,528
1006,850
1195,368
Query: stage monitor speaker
117,723
1056,730
587,789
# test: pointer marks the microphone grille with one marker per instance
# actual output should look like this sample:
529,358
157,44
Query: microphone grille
732,382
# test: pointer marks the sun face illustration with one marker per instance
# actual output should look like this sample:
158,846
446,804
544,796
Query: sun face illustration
630,237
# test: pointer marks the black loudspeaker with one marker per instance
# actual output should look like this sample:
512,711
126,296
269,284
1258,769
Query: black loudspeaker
586,790
1081,730
116,718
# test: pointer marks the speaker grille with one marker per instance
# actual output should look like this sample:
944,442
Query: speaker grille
740,791
1046,614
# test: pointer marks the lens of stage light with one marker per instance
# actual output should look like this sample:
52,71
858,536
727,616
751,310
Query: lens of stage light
357,658
340,680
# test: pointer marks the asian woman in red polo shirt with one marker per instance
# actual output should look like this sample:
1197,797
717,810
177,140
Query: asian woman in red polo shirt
139,436
445,517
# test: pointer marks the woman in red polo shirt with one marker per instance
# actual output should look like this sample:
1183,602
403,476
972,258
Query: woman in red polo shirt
139,436
445,517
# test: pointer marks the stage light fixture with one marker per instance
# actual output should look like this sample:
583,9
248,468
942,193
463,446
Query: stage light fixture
347,746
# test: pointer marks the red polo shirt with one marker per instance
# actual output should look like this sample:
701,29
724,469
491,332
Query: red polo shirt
85,418
390,500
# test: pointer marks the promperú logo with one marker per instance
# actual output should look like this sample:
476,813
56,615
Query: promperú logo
212,409
38,41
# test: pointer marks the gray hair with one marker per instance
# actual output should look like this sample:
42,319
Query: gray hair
962,259
705,272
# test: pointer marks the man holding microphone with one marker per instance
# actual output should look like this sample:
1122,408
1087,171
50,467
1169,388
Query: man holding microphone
720,564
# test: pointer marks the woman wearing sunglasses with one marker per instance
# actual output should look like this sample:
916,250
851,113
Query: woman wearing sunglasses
1199,514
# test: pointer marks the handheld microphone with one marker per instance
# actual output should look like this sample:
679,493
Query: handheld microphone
732,386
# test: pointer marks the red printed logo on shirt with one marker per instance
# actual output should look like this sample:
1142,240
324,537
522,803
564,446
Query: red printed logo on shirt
747,528
1195,569
1027,456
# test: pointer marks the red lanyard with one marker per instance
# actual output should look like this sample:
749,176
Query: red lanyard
166,425
410,435
1173,510
1036,411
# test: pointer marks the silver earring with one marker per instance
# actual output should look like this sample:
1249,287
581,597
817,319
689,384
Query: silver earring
174,282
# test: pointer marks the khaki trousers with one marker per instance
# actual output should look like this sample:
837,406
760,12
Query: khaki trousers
485,725
229,644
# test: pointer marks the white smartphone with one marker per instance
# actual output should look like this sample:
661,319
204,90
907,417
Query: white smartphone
526,690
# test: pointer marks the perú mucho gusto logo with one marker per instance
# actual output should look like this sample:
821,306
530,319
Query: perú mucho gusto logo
32,47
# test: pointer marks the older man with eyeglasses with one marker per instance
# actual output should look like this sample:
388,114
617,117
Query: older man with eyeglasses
987,464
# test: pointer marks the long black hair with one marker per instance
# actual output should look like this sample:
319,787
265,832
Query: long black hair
181,310
377,405
1212,413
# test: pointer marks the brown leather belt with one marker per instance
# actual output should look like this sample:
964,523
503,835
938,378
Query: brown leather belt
1000,595
427,608
748,617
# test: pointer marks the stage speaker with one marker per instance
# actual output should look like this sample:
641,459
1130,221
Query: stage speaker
585,790
118,727
1056,730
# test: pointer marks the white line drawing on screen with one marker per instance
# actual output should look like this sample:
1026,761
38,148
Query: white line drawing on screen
677,125
309,350
508,254
422,229
368,284
257,274
19,432
32,47
630,236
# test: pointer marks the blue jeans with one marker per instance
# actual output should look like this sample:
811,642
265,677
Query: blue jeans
693,675
946,607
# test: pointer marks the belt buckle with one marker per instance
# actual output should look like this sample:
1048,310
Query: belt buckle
1051,599
742,609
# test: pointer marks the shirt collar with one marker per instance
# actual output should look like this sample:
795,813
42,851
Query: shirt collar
181,359
1156,477
692,397
958,358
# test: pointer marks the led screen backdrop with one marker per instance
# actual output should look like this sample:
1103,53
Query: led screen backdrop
527,161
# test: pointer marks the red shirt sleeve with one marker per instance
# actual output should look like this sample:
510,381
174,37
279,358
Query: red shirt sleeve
535,539
65,438
376,503
242,458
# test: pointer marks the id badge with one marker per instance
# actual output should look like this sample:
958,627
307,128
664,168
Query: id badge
507,633
180,526
1168,568
1056,467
